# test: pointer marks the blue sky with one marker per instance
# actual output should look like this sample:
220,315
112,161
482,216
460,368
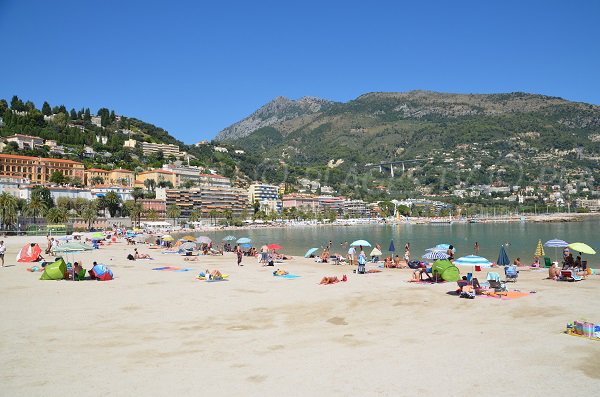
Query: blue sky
194,68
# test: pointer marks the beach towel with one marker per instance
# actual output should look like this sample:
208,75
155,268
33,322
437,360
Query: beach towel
286,276
425,282
173,269
203,278
506,295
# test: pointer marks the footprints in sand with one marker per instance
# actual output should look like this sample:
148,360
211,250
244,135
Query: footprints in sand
256,378
337,321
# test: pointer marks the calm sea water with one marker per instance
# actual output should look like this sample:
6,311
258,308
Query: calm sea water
521,238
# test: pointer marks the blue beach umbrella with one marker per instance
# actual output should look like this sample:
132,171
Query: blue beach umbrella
392,248
310,252
364,243
243,240
473,260
503,257
556,243
434,255
246,245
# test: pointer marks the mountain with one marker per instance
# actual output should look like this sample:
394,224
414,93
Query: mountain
277,111
521,134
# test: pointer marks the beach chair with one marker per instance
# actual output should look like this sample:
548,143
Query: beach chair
493,279
493,276
511,273
569,275
547,262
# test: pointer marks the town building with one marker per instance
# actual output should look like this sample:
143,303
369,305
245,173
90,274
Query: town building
57,192
38,169
12,184
166,149
159,206
206,199
303,202
185,174
158,175
267,197
124,192
25,141
356,209
214,180
592,205
121,177
332,203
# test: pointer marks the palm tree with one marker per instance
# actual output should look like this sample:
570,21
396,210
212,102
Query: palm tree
57,215
137,193
228,214
173,212
35,207
112,202
135,211
8,209
152,215
213,215
90,213
150,184
195,215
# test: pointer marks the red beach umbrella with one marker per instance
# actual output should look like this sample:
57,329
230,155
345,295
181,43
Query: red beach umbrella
274,247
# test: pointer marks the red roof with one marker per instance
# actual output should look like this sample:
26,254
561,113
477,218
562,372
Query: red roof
98,170
15,156
158,171
122,170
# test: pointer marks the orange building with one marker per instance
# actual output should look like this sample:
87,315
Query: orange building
121,177
38,169
96,173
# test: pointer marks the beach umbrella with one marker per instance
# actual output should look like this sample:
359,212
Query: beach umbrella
101,272
582,247
189,246
539,250
188,238
203,240
376,252
72,247
64,238
274,247
246,245
364,243
229,238
167,238
243,240
556,243
503,257
310,252
392,248
97,235
473,260
433,255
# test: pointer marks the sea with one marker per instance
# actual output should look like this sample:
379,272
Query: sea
519,238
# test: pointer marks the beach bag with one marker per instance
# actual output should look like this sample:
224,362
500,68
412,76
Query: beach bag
130,257
361,268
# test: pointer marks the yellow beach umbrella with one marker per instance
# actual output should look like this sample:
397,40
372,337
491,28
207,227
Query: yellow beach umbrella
188,238
582,247
539,251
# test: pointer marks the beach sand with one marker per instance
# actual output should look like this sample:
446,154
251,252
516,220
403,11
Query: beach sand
166,333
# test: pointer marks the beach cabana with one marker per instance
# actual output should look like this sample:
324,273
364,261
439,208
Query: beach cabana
29,253
54,271
445,270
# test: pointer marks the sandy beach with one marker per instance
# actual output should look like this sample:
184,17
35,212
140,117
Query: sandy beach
165,333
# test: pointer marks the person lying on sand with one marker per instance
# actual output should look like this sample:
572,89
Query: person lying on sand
191,258
329,280
214,275
280,272
137,255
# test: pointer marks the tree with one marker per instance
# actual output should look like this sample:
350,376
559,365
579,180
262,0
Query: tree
165,184
35,207
387,208
29,106
57,215
17,104
90,213
3,106
8,210
87,116
137,193
135,210
173,212
195,215
228,214
112,203
44,194
60,119
213,215
96,180
46,109
58,178
150,184
73,114
152,215
256,206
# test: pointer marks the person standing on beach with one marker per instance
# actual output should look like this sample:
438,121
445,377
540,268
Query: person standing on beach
238,251
351,253
476,248
2,252
407,253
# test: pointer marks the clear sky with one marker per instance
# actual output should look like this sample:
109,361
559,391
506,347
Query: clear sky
196,67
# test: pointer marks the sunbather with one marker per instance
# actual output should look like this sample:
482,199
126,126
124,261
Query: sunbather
137,255
280,272
191,258
418,273
214,275
554,272
388,262
329,280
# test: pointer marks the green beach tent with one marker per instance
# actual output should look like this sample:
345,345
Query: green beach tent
444,269
55,271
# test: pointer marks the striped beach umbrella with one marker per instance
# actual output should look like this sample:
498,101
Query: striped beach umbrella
556,243
434,255
539,250
473,260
